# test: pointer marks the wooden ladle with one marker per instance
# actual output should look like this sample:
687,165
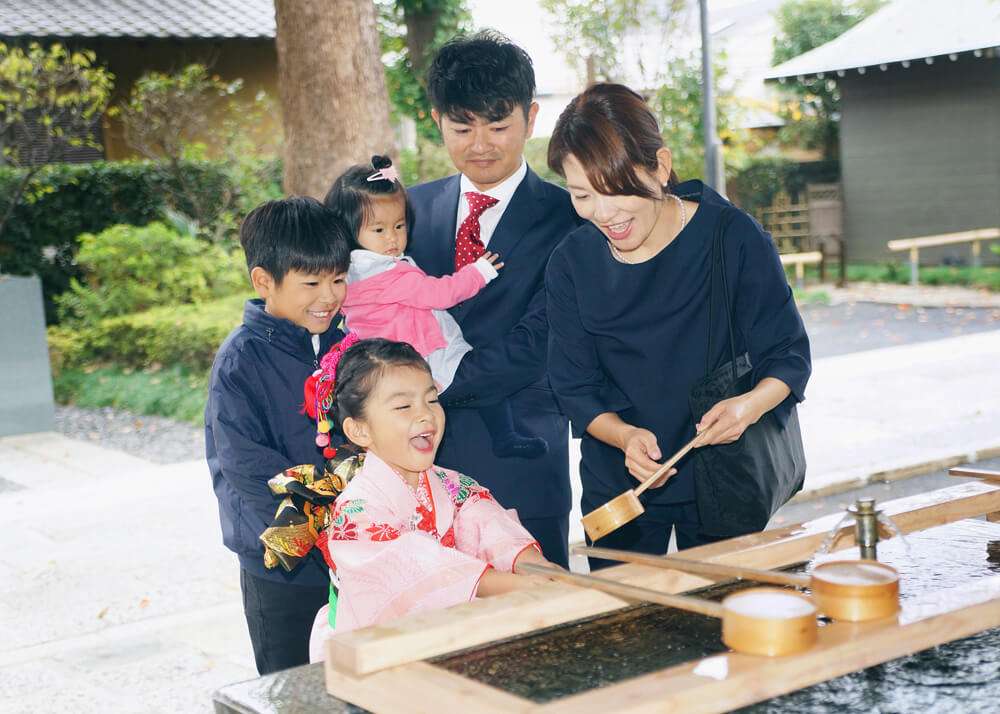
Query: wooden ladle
760,621
627,507
850,590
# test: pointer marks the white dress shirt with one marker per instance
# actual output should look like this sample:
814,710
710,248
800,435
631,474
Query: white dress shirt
503,192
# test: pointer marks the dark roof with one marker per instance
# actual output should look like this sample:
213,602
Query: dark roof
137,18
904,31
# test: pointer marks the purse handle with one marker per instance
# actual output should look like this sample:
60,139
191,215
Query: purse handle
719,256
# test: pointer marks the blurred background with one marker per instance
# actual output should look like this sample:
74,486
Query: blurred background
135,134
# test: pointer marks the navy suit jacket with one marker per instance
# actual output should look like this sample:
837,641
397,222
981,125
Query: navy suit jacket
506,325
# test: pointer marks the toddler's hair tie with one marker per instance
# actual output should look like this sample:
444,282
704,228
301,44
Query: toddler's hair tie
389,173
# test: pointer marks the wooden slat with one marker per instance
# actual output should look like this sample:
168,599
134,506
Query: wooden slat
975,473
944,239
421,688
793,258
842,648
434,633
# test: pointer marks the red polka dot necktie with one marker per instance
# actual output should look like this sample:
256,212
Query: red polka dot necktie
468,244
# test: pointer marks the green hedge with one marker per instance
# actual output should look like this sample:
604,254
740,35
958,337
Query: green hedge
173,392
187,335
41,237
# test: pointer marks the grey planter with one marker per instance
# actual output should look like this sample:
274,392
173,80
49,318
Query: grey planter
26,401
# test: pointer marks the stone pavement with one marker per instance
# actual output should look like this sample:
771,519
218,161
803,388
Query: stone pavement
116,594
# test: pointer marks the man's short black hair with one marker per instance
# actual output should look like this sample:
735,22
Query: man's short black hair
485,75
295,233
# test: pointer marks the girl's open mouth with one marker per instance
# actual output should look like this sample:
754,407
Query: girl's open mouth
423,442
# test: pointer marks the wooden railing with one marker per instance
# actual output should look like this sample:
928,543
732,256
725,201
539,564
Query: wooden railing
800,260
913,245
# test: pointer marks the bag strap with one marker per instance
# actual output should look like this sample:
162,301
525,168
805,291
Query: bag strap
719,257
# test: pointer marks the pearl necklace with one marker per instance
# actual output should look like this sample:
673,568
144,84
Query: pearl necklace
617,255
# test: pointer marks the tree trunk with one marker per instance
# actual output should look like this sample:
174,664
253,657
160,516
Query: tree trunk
333,93
421,26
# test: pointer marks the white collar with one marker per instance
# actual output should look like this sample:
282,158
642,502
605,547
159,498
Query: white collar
365,263
504,190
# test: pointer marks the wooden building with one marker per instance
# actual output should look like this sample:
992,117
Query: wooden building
234,38
920,123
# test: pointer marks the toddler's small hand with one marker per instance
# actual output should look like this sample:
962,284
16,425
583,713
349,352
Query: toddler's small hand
492,259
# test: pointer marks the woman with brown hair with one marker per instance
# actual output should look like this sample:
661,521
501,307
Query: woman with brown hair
631,333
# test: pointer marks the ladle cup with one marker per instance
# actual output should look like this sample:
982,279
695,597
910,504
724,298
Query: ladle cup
759,621
627,507
849,590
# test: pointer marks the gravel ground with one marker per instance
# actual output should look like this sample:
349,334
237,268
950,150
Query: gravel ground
156,439
833,330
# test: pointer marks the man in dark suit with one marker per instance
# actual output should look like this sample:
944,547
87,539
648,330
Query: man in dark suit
482,92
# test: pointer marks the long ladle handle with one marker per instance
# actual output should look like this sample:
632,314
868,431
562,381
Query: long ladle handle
696,567
666,466
975,473
632,592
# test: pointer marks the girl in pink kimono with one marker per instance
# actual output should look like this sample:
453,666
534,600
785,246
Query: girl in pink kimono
407,536
389,296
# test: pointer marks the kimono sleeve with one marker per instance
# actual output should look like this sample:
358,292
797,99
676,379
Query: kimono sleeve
485,530
387,572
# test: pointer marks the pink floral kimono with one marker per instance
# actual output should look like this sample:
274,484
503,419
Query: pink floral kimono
398,550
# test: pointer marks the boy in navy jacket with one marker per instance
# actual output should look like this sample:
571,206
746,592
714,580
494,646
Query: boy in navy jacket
297,253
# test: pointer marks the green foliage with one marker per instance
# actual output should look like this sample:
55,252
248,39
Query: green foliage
166,113
41,237
894,272
755,185
812,110
49,101
677,104
591,32
187,335
131,269
412,30
190,115
174,392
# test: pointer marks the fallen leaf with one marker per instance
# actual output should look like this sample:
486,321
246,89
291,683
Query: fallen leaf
144,602
102,613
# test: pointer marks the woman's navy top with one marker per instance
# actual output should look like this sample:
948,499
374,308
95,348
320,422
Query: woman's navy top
633,338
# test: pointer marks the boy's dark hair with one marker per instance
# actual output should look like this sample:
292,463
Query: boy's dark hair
485,75
350,196
295,233
611,131
360,368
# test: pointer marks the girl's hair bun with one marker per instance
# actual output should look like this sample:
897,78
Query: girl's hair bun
380,162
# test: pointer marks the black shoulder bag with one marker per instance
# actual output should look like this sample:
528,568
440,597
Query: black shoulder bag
739,486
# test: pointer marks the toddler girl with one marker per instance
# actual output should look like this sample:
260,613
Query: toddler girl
389,296
405,535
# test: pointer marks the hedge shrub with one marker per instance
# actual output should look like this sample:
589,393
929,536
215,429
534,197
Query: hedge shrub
186,335
41,237
135,268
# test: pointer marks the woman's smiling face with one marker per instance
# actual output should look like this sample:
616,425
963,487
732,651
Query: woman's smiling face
626,221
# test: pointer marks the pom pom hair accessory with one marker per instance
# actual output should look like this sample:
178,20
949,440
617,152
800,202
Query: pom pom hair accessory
318,392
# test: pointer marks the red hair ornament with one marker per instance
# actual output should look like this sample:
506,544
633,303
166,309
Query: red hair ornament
318,392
